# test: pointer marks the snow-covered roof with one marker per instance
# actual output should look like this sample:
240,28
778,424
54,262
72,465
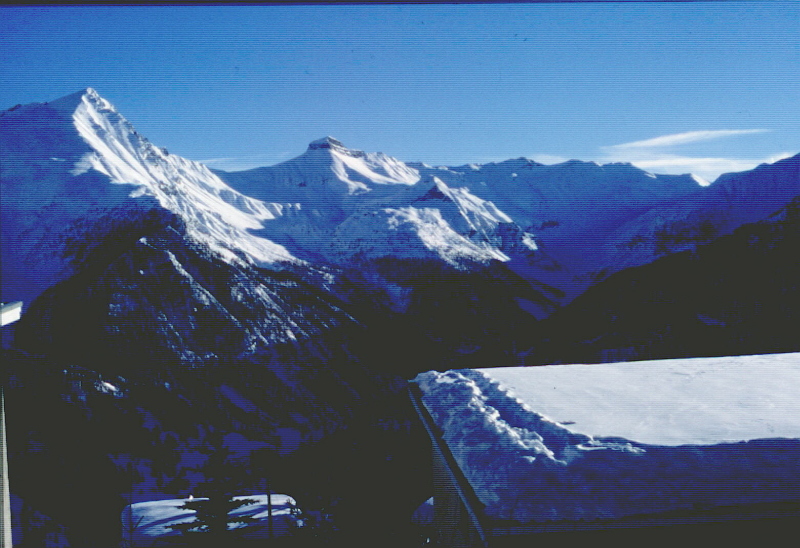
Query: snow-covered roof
142,522
570,442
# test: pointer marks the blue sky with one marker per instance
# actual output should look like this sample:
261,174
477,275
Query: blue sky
672,87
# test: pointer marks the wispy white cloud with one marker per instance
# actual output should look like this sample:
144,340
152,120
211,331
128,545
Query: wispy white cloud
708,168
687,137
657,154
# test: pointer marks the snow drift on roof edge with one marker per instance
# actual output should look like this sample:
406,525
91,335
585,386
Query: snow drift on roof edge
525,467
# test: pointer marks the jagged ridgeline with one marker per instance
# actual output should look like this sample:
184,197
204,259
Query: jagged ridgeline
286,306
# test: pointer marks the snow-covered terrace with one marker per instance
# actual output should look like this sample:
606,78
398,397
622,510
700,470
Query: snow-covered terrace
565,447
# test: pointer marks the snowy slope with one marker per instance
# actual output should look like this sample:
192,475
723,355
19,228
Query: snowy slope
569,208
613,440
431,217
74,166
566,199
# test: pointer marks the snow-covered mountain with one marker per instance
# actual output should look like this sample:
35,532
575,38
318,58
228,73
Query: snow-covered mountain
343,205
567,225
591,220
73,169
127,254
74,166
147,269
82,192
570,209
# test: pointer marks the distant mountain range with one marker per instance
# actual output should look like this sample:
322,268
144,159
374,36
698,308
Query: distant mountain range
69,162
283,303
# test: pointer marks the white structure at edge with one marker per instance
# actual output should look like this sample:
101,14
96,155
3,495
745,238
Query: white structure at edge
572,442
5,502
11,312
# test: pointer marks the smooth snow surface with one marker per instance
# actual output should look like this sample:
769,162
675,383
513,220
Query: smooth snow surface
698,401
573,442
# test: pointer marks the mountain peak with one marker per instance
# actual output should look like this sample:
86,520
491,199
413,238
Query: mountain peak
71,102
326,142
334,145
